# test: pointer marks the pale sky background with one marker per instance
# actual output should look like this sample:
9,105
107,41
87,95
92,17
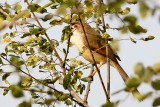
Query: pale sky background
146,52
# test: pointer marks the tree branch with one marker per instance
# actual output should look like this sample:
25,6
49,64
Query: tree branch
107,53
68,44
27,89
94,59
88,88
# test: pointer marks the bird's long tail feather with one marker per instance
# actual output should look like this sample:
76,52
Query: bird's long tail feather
124,76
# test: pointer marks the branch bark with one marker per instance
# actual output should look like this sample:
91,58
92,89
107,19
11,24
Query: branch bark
88,87
107,52
101,80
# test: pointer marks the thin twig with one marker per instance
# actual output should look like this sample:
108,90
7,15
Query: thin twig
26,89
29,74
88,87
101,80
68,44
3,12
107,54
108,71
73,93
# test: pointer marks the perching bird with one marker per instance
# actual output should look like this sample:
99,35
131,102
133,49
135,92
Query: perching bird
97,45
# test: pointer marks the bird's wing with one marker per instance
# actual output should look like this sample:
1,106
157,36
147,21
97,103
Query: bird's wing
99,46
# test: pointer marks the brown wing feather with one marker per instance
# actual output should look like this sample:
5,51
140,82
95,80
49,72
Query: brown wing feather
102,51
98,43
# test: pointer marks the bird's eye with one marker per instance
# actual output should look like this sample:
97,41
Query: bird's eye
75,26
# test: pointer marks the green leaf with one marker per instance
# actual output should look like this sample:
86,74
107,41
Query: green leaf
47,81
68,102
16,91
64,97
67,81
108,104
32,60
56,22
136,29
131,19
25,104
51,81
131,1
16,61
156,102
50,92
64,51
27,14
4,77
1,70
5,35
132,83
32,51
115,45
113,7
65,33
82,88
5,91
147,76
125,11
37,31
26,81
57,94
144,96
78,74
143,9
54,6
13,34
3,54
156,84
75,87
1,62
33,7
67,18
17,7
156,68
139,70
105,35
150,37
86,79
47,17
34,95
26,34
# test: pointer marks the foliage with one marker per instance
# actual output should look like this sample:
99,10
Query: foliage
30,50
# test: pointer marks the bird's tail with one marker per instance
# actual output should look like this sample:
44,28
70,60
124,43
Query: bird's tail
124,76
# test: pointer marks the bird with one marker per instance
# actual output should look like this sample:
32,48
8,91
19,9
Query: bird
89,42
97,46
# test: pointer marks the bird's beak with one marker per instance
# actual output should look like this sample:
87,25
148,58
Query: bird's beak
72,25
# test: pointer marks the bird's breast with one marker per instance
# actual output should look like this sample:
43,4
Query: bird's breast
78,40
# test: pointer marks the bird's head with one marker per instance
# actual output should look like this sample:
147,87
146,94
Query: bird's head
77,26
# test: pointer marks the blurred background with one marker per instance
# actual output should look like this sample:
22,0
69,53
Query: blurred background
130,53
